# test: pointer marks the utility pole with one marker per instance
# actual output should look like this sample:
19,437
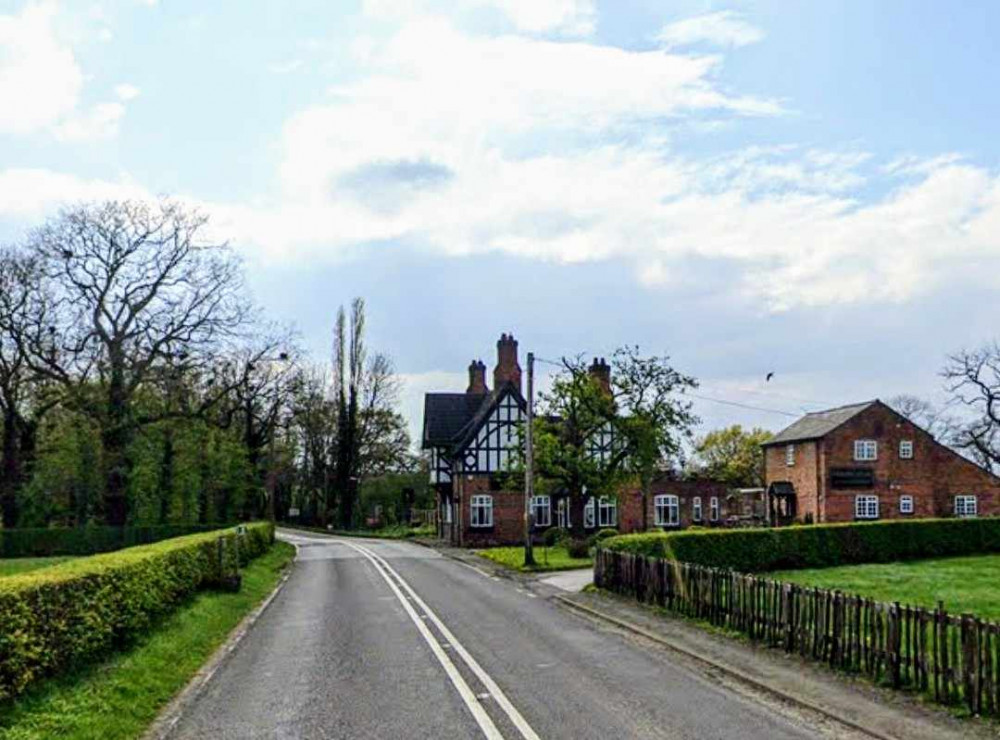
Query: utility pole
529,467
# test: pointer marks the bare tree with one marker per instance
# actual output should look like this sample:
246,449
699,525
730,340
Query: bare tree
383,439
973,379
349,363
135,285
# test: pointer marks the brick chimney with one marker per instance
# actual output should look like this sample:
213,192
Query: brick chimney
507,369
477,378
601,372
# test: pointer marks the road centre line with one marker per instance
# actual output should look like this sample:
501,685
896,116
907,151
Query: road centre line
464,691
504,703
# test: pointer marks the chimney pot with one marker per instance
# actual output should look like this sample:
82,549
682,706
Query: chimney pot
477,378
507,370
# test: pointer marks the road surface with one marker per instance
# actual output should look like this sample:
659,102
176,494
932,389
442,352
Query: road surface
379,639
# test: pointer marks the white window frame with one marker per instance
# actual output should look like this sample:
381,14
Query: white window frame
713,509
866,506
446,505
481,511
562,513
906,449
607,512
967,506
906,504
696,512
790,456
865,450
541,510
666,511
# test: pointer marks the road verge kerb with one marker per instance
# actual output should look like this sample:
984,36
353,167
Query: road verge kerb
568,603
171,714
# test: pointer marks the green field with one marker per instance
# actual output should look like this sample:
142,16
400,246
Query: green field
968,584
23,565
546,558
119,698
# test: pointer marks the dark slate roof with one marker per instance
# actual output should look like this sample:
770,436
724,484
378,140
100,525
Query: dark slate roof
818,424
447,414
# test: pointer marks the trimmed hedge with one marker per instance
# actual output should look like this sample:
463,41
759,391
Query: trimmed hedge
43,542
817,546
57,617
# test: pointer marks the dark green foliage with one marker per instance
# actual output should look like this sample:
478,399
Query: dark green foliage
818,546
35,542
58,617
554,535
601,536
578,548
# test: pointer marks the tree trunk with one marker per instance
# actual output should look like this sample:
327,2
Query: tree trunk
166,485
577,502
10,470
115,439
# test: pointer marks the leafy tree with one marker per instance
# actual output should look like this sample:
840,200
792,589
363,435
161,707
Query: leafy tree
732,455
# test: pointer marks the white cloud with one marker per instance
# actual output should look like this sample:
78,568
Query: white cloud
562,17
724,28
40,80
32,194
126,92
100,122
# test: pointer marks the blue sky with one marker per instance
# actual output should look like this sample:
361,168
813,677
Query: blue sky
800,187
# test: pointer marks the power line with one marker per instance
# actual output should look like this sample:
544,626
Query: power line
744,405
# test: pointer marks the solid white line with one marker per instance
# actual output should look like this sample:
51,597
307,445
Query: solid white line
482,718
483,573
522,725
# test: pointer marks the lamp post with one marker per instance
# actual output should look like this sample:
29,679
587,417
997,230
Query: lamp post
529,482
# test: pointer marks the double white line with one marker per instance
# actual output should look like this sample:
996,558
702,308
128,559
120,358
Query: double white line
396,582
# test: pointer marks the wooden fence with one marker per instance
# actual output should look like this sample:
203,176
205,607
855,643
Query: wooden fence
951,658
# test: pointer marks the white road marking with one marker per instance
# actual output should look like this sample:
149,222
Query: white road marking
491,686
480,571
482,718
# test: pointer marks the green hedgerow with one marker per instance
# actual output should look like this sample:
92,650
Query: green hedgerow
76,611
817,546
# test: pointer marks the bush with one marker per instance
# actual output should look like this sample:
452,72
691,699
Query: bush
817,546
601,535
578,548
554,535
41,542
67,614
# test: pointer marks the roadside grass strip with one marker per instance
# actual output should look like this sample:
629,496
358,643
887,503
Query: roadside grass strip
966,585
121,696
26,565
546,559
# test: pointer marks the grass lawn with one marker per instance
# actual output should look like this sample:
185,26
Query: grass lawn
23,565
120,697
546,558
965,584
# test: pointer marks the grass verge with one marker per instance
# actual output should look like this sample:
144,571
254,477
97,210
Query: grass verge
24,565
120,697
546,559
395,532
966,584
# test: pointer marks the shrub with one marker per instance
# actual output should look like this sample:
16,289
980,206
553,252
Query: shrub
40,542
601,535
57,617
554,535
817,546
578,548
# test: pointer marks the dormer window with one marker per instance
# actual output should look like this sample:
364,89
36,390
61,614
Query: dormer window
789,455
865,450
906,449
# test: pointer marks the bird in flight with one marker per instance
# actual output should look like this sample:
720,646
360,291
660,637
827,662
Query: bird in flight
768,378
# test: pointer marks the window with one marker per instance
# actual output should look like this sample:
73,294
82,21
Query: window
446,506
541,511
713,509
696,508
906,449
666,511
966,506
608,512
865,449
790,455
562,513
866,507
906,504
482,511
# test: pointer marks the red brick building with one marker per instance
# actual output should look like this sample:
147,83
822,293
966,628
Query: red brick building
469,437
866,461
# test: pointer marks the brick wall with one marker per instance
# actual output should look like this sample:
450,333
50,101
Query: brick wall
804,474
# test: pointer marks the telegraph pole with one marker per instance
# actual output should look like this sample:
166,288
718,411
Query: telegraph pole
529,467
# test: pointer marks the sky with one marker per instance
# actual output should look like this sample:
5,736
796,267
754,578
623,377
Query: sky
799,187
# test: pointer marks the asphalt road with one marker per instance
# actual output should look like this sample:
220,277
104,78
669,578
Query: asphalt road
377,639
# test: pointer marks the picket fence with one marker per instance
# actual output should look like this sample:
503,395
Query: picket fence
951,658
